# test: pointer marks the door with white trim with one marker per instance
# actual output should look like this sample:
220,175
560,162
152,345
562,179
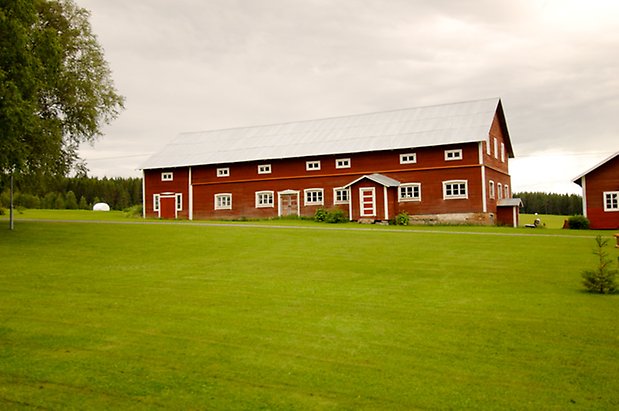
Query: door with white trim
367,201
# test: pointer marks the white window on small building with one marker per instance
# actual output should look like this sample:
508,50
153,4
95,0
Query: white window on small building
499,189
264,169
167,176
314,196
156,198
451,155
223,201
341,196
455,189
408,158
264,199
312,165
223,172
611,201
179,201
409,192
491,188
342,163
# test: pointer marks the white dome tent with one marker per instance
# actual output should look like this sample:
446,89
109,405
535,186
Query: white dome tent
101,207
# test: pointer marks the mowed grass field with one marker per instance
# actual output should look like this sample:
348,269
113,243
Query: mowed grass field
178,316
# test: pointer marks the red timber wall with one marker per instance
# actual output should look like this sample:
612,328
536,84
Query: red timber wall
602,179
430,170
496,161
179,185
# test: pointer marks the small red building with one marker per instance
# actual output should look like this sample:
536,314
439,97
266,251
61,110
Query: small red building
437,163
600,193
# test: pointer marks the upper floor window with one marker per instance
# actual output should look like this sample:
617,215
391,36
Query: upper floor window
409,192
264,199
223,172
455,189
167,176
312,165
611,201
496,148
342,163
314,196
223,201
341,196
408,158
453,154
503,152
264,169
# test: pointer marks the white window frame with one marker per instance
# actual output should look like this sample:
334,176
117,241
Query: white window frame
223,206
156,202
223,172
342,163
459,195
608,195
312,165
503,152
167,176
311,191
507,193
408,158
179,201
264,169
496,148
491,192
499,189
261,195
453,155
336,194
402,190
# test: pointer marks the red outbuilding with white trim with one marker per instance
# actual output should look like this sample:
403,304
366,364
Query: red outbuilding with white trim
446,163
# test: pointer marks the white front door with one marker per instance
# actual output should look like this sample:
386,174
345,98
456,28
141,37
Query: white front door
367,201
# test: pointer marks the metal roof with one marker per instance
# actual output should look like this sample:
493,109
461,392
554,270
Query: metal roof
377,178
509,202
454,123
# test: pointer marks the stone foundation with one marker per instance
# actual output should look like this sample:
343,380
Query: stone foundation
449,219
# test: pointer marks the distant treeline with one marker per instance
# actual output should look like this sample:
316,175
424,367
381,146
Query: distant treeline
73,193
545,203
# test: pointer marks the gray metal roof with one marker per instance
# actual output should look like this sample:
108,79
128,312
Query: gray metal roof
454,123
578,180
509,202
377,178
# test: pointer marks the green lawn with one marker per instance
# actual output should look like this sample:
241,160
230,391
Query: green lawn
181,316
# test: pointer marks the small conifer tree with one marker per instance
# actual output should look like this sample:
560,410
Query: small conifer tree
602,278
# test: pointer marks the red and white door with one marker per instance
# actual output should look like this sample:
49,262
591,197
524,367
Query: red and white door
167,206
367,201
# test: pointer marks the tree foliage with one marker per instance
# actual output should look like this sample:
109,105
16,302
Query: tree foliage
602,278
56,89
550,203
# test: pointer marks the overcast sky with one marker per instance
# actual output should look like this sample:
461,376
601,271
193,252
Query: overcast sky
190,65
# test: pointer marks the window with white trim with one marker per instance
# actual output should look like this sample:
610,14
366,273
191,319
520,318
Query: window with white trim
167,176
611,201
156,198
499,189
409,192
223,201
455,189
264,199
341,195
342,163
264,169
496,148
314,196
179,201
503,152
488,145
491,189
507,193
223,172
451,155
408,158
312,165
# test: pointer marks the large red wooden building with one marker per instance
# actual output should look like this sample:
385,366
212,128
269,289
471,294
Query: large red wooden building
437,163
600,193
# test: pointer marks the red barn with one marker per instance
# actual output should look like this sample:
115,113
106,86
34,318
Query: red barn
438,164
600,193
